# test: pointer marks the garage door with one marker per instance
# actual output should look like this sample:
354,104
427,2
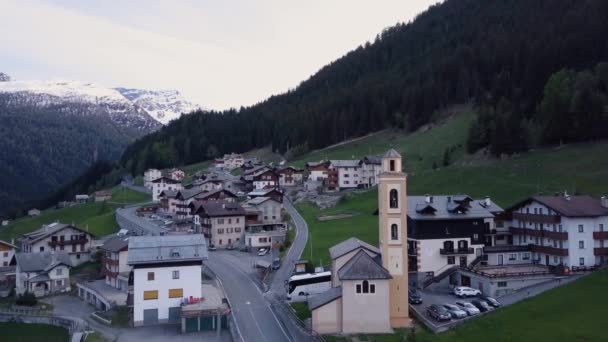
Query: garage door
174,314
150,316
207,323
192,324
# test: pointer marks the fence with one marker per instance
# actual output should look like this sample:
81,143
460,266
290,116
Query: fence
298,329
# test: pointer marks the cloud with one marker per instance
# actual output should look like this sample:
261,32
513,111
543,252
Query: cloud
220,54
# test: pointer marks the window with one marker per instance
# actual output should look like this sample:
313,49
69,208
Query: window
581,261
555,259
220,221
176,293
535,210
581,244
463,244
581,229
475,236
512,257
358,288
601,227
6,254
220,231
526,256
540,211
41,249
451,260
501,284
150,275
220,242
561,227
365,286
150,295
229,221
394,232
77,255
238,220
372,288
59,282
394,199
527,210
237,230
392,165
59,271
175,274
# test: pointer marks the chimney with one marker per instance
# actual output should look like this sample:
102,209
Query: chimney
428,198
488,201
566,195
604,201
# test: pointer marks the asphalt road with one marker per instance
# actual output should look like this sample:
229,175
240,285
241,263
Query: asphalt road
129,220
254,318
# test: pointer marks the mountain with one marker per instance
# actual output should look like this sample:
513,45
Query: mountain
497,55
50,132
162,105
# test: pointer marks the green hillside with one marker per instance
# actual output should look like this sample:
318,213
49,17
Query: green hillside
98,218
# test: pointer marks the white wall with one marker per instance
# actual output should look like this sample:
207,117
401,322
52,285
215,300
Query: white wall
189,280
157,188
365,312
574,236
317,175
431,260
237,224
348,177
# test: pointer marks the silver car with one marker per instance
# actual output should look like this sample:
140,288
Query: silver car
469,308
455,311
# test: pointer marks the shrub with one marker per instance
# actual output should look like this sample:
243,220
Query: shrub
27,299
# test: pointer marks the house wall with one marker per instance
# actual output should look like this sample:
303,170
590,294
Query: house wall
318,175
348,177
189,280
365,312
507,258
337,263
6,254
270,212
151,175
234,224
157,188
77,257
496,287
327,319
430,259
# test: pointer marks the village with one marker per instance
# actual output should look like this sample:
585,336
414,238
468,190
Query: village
191,258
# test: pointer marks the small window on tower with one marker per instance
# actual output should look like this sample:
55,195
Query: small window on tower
392,165
394,199
394,232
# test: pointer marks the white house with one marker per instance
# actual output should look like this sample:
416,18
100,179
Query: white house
42,273
289,176
568,230
114,262
317,171
163,184
60,237
349,172
233,161
166,271
370,167
151,175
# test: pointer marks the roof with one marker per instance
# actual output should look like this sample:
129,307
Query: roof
263,192
260,200
284,168
350,245
448,207
576,206
361,267
2,242
164,179
324,298
169,248
48,230
392,153
344,163
506,248
219,208
203,195
41,261
376,160
188,193
116,244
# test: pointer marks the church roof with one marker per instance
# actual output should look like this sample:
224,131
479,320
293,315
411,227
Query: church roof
361,267
324,298
350,245
392,154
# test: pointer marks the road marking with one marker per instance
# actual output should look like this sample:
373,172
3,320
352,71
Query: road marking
256,324
231,307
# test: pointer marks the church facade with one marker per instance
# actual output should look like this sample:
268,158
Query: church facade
369,292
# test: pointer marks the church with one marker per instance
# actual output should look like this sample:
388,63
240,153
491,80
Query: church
369,292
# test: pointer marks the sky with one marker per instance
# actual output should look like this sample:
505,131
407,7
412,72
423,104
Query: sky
220,54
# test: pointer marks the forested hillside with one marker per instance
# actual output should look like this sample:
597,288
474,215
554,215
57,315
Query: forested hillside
497,54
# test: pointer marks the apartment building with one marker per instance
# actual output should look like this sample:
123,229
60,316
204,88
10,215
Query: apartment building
222,223
60,237
164,184
166,274
348,173
114,264
150,175
370,168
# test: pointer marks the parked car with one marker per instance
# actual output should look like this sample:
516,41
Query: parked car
262,251
469,308
464,291
276,263
438,312
168,222
493,302
414,297
230,247
482,305
455,311
211,248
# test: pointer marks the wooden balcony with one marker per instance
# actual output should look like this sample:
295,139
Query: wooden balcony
443,251
539,233
600,235
79,241
601,251
549,250
537,218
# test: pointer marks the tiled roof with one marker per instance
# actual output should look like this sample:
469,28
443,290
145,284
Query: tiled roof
345,163
448,207
115,244
41,261
350,245
362,267
48,230
326,297
168,248
575,206
219,208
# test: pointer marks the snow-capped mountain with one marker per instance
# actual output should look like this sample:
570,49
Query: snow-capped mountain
162,105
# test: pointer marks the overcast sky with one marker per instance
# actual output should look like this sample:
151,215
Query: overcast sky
219,54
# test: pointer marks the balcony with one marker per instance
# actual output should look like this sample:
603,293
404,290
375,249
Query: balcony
112,262
600,235
539,233
443,251
549,250
79,241
601,251
537,218
412,251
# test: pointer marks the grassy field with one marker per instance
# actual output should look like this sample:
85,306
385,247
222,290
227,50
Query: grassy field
15,332
301,309
98,218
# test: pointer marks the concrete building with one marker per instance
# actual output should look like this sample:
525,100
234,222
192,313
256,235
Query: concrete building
221,223
269,209
114,264
289,176
166,274
348,171
61,238
370,169
43,273
264,224
369,291
164,184
317,171
151,175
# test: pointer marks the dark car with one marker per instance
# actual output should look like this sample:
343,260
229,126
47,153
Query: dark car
439,313
482,305
414,297
493,302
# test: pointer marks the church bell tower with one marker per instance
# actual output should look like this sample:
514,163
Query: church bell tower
392,213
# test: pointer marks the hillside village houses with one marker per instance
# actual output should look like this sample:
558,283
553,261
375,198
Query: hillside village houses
289,176
229,161
102,195
7,267
345,174
176,174
33,212
7,253
264,222
60,237
42,273
221,223
163,184
151,175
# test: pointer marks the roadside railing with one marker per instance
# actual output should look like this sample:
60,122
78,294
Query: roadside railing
290,320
